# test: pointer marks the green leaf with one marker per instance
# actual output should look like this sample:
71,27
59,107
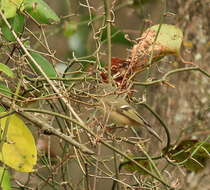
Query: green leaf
44,63
202,149
5,179
191,154
2,109
9,7
40,11
17,24
4,90
6,70
117,36
17,143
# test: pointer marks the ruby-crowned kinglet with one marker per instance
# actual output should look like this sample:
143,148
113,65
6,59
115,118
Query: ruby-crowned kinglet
120,112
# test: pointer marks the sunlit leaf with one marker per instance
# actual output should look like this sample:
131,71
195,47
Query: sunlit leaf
18,148
6,70
5,179
9,7
44,64
40,11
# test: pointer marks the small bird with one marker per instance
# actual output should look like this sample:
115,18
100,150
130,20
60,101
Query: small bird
121,113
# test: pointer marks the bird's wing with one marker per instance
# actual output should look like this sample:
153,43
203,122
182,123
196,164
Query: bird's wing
130,112
123,108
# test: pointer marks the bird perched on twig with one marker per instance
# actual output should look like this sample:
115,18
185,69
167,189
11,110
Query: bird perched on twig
120,112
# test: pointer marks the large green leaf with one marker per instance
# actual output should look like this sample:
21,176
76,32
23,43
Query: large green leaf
40,11
17,24
44,63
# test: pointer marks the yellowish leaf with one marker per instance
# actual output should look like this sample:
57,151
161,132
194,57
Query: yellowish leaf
169,39
18,148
